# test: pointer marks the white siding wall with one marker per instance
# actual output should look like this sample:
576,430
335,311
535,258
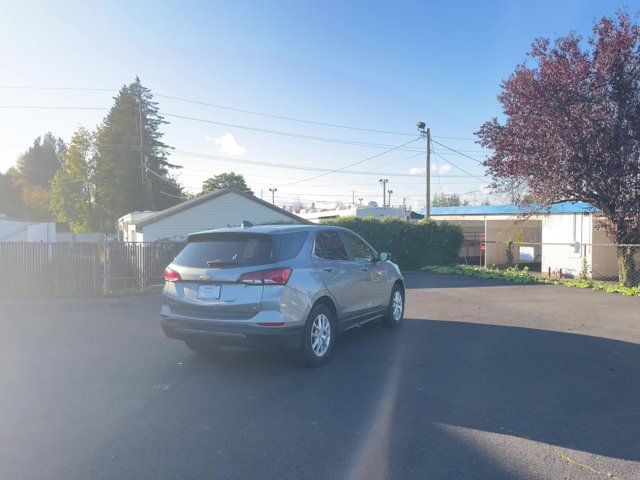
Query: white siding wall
227,210
18,231
576,229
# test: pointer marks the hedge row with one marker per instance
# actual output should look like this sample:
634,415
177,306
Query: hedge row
412,245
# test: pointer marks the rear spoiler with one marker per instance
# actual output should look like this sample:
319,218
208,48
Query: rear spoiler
205,236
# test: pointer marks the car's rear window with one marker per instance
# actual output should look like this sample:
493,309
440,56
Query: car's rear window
227,251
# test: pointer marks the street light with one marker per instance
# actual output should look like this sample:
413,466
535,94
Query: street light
389,192
273,195
383,182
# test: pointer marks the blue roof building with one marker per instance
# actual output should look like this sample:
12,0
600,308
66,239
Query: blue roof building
565,207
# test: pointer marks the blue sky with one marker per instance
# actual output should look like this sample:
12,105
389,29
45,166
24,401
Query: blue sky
378,65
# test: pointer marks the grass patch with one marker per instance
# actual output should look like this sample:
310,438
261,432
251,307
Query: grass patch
516,275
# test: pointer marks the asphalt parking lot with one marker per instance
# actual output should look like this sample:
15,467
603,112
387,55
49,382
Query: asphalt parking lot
484,380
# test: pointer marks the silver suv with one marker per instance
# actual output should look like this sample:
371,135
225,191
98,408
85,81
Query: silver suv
287,286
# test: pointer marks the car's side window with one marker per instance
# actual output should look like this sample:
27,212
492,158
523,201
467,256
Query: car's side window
360,250
329,246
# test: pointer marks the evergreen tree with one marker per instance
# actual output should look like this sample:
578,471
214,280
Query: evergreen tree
73,187
225,180
130,177
10,194
41,161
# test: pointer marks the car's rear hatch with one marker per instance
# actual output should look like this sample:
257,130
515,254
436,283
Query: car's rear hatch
211,267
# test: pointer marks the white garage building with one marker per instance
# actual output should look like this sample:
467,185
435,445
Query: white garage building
562,240
227,207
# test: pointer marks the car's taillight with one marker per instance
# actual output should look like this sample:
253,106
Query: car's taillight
272,276
171,275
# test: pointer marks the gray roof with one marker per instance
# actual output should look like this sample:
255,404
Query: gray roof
209,196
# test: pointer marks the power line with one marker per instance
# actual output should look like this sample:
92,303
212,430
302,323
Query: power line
398,161
456,138
459,168
211,171
164,179
437,172
256,129
458,152
224,107
352,164
14,87
181,197
285,165
48,107
280,132
283,117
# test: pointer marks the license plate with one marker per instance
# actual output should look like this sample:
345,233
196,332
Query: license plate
209,292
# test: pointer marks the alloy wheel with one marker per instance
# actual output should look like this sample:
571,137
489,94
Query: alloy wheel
320,335
397,305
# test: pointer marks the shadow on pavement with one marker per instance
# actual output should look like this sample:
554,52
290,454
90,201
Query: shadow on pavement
383,399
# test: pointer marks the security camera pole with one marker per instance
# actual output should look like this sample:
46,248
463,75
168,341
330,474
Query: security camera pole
426,134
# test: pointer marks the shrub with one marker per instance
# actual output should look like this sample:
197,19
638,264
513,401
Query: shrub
412,244
515,275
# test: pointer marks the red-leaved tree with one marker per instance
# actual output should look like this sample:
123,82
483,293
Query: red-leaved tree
572,128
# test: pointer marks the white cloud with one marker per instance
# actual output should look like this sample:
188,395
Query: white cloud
441,169
227,144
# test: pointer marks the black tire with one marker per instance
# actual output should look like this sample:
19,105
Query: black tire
308,356
202,348
390,320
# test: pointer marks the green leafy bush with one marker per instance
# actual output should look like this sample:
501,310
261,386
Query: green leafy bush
412,244
515,275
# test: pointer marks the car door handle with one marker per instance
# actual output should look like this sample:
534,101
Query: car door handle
328,269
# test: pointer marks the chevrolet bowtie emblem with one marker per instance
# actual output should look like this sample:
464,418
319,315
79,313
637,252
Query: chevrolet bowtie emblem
204,277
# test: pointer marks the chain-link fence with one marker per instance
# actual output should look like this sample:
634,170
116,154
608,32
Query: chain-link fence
595,261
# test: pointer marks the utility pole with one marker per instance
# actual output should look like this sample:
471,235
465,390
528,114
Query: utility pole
273,195
426,134
383,182
389,192
353,197
143,166
360,200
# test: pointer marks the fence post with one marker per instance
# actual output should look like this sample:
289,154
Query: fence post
105,275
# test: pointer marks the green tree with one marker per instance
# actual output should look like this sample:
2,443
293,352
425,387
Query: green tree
129,177
448,200
225,180
10,194
73,186
41,161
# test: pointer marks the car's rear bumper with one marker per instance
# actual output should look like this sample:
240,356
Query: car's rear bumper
232,333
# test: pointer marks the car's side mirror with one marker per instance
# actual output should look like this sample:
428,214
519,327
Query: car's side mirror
384,256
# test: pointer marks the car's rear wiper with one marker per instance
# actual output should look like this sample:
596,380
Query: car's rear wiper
220,263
